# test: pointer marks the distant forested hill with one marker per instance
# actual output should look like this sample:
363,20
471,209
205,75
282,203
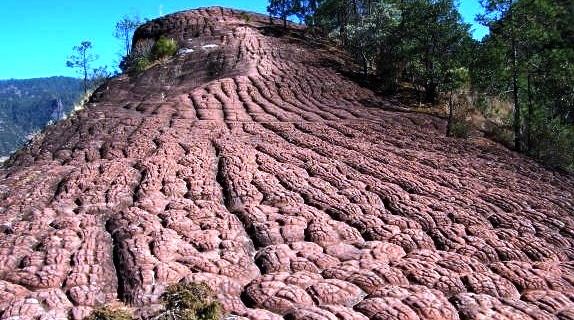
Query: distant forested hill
28,105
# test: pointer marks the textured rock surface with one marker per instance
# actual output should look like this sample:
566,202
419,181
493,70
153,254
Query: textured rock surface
251,163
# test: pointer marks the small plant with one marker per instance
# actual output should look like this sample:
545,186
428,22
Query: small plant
164,48
143,48
190,301
140,64
460,129
245,17
140,57
111,313
501,134
146,52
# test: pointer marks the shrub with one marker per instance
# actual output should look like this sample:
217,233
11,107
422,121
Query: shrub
140,64
245,17
190,301
460,129
502,135
552,142
164,48
143,48
146,52
110,313
140,57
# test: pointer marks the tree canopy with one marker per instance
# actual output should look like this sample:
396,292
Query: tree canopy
81,59
526,60
124,31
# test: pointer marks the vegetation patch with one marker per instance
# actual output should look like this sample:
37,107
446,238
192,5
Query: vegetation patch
164,48
522,69
190,301
182,301
111,313
245,17
146,53
460,129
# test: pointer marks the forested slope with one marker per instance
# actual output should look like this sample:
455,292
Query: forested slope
28,105
524,64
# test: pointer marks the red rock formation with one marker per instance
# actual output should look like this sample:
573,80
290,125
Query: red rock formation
250,162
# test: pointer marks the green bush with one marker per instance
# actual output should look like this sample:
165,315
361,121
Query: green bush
460,129
146,52
140,64
502,135
110,313
164,48
552,142
190,301
140,57
245,17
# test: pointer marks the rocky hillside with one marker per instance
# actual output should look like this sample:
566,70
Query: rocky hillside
250,162
28,105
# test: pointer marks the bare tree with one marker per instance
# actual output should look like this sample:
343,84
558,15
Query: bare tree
125,29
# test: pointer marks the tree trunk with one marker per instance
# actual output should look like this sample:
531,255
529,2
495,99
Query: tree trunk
85,67
517,127
430,92
529,116
128,44
313,5
450,116
430,85
516,121
344,20
365,65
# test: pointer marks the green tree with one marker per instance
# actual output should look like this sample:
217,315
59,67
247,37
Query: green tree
501,14
432,35
81,60
283,9
370,36
456,80
527,59
529,53
335,16
307,12
415,39
328,15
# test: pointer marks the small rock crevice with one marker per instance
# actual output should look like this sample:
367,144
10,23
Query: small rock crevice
116,259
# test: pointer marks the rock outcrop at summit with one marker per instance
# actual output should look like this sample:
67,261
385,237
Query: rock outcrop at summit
250,162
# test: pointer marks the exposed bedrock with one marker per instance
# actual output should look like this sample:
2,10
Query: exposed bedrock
250,162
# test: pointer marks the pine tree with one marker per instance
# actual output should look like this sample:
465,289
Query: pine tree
81,60
529,53
282,9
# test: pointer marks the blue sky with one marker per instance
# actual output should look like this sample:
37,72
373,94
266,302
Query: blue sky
38,35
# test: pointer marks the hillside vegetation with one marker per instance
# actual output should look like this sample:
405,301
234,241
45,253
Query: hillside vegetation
26,106
527,61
